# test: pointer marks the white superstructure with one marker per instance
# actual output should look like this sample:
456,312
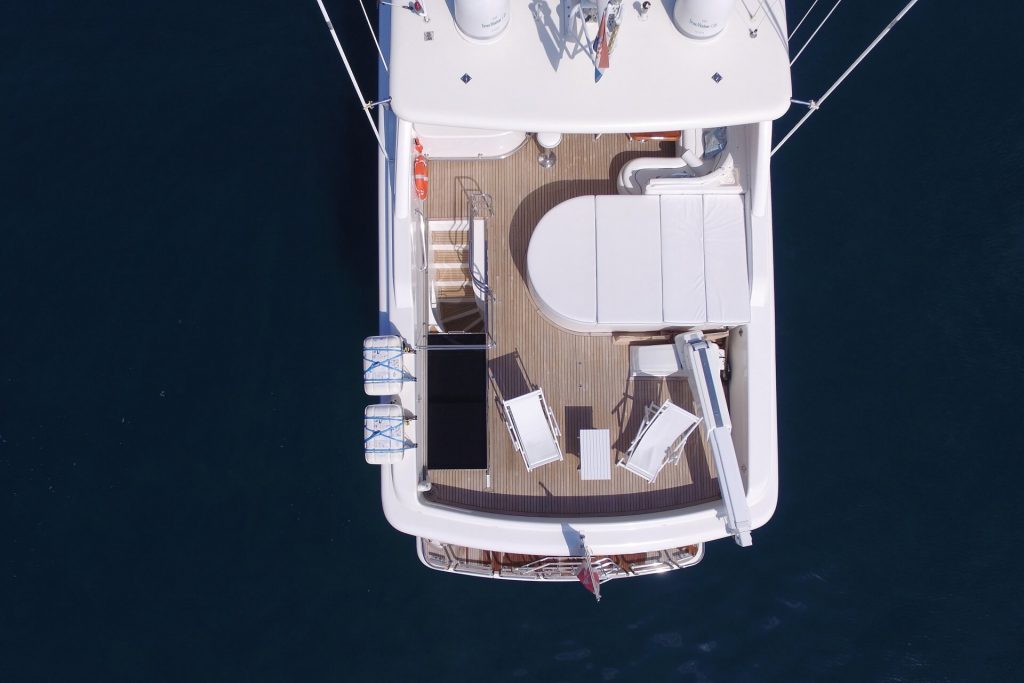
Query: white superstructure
576,273
538,76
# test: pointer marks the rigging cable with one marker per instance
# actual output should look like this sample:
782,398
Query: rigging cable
801,22
814,105
352,77
834,7
373,33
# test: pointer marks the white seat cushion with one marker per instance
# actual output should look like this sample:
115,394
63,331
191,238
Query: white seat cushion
561,260
641,262
725,260
654,360
628,259
682,260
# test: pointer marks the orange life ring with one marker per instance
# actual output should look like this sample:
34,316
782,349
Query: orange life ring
419,172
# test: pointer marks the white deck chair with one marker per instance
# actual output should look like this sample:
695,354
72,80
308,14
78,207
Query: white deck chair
532,428
660,440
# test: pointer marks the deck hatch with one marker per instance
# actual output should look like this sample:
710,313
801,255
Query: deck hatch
457,415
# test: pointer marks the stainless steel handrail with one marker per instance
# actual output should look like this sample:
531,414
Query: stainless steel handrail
421,222
480,204
481,200
488,203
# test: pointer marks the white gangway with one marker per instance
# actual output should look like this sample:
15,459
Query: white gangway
702,364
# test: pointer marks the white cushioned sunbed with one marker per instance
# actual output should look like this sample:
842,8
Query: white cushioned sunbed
641,262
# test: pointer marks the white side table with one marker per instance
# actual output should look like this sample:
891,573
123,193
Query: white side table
595,454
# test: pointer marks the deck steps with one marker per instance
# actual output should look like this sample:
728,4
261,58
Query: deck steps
450,274
448,237
452,256
455,302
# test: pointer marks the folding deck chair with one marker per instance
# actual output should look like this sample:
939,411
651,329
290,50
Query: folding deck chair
660,441
532,427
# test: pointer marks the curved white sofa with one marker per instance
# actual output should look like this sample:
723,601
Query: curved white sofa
688,170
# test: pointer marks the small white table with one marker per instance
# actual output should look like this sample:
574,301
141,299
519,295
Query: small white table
595,454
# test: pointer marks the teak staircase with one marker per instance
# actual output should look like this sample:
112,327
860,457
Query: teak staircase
456,308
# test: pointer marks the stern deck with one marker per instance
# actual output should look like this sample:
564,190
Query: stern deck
585,378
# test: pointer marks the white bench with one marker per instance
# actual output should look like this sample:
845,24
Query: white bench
595,454
654,361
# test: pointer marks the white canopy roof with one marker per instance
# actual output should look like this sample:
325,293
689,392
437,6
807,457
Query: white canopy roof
526,80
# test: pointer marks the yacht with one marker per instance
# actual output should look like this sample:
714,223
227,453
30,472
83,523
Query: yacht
574,373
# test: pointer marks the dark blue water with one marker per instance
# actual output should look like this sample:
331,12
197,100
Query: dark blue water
187,267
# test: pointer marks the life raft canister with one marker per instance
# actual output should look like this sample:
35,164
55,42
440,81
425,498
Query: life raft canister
419,172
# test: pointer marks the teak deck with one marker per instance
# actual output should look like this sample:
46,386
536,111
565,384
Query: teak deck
585,378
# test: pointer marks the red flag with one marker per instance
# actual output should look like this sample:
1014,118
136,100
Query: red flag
602,42
589,577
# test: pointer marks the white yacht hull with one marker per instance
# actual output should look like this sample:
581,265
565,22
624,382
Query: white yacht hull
752,390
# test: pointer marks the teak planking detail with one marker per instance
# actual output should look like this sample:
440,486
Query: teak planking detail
585,378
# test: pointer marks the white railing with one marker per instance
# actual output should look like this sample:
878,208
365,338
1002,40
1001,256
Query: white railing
458,559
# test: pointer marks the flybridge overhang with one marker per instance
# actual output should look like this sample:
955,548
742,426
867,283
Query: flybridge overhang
537,76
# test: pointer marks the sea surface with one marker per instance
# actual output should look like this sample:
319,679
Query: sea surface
188,267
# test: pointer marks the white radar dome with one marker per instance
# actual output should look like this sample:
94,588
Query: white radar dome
702,18
482,20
